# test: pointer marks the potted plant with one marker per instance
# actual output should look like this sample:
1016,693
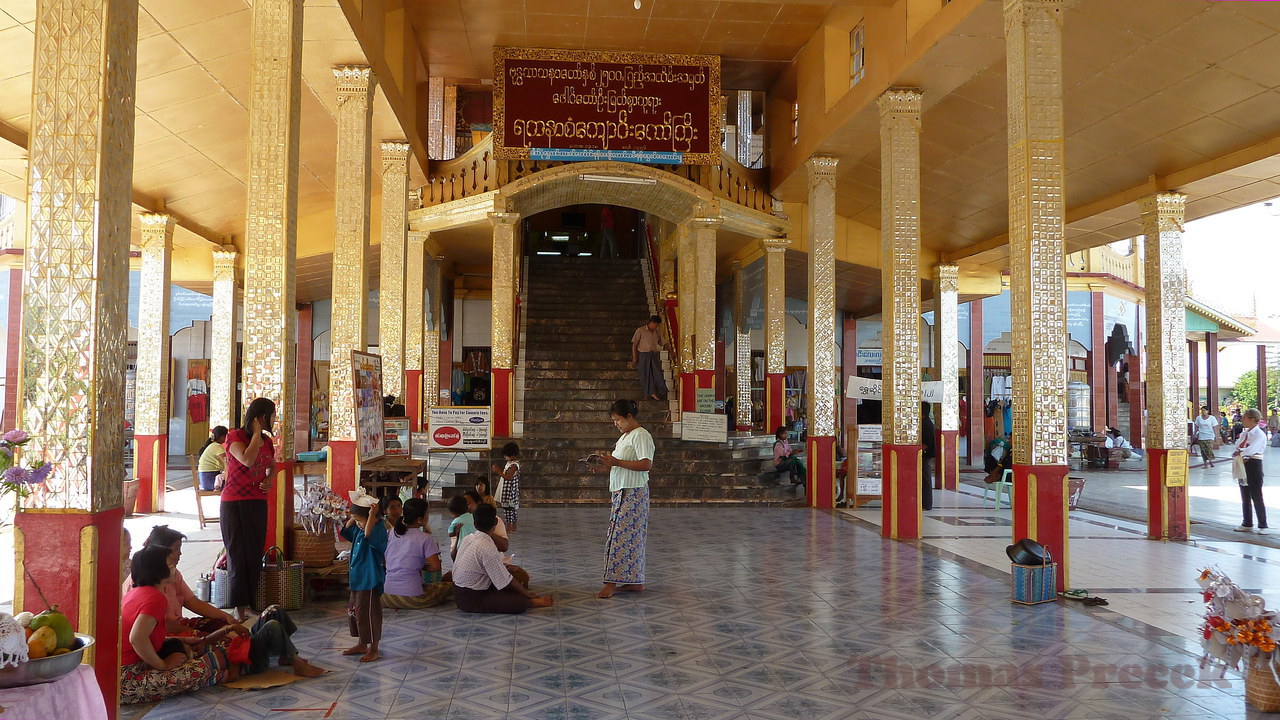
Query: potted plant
1238,628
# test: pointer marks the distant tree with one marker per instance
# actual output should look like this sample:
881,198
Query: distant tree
1246,390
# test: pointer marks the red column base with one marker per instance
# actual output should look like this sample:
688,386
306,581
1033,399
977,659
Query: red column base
948,460
1168,508
342,466
503,401
901,511
820,453
775,401
76,556
280,508
150,466
413,398
688,392
1040,511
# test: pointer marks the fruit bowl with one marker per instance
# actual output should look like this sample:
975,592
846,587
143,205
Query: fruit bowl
46,669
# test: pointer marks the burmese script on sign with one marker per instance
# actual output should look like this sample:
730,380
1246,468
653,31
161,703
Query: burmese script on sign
576,105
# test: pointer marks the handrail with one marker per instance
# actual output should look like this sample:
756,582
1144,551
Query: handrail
471,173
729,180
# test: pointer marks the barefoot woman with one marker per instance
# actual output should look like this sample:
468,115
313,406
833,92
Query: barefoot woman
629,466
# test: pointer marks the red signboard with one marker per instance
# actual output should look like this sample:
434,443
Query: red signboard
584,105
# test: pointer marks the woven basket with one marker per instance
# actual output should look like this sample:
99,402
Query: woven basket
313,550
1261,690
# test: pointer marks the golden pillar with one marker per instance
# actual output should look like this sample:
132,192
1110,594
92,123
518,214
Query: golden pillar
1033,42
946,342
1168,515
449,121
821,430
151,406
775,331
903,485
75,299
687,294
431,335
414,310
222,365
503,320
741,352
703,237
271,228
393,285
435,118
355,86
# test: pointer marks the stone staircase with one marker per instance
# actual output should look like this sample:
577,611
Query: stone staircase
580,314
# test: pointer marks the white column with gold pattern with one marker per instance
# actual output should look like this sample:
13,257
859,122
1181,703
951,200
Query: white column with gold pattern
223,356
151,385
392,284
821,429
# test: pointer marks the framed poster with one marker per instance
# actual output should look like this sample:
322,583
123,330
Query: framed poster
398,442
593,105
366,375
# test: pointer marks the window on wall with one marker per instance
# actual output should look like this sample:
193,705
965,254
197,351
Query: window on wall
857,53
795,122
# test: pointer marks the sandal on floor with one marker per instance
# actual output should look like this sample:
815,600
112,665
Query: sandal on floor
1083,596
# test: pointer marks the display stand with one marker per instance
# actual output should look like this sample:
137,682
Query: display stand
866,474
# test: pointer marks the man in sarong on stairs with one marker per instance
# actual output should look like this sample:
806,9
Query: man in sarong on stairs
646,343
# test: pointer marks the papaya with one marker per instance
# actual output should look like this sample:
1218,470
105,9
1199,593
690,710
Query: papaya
59,624
45,637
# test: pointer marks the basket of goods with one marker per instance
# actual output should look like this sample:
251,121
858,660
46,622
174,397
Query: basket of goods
320,515
37,649
1239,633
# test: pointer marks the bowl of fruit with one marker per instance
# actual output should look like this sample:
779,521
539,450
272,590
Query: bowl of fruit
53,649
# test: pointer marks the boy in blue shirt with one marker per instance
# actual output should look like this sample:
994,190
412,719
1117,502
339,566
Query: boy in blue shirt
368,537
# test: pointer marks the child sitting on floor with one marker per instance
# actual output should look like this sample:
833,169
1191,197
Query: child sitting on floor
368,541
462,524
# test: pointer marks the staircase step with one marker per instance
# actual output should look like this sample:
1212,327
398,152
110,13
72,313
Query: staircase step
617,380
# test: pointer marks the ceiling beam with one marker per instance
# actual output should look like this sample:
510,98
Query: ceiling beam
997,247
19,138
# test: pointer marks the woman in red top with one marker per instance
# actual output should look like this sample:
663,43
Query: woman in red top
243,520
151,667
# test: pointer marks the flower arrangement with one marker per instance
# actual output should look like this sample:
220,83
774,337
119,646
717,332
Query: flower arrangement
1237,625
14,478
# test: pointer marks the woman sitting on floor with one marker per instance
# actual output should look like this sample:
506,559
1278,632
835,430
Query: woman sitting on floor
178,594
410,550
481,582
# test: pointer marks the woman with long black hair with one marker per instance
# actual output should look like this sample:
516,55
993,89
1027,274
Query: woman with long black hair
250,468
629,465
213,460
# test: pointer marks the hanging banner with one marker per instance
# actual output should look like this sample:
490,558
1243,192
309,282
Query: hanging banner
588,105
860,388
366,371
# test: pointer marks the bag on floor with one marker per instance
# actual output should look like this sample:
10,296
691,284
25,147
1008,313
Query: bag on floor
221,587
1275,439
281,581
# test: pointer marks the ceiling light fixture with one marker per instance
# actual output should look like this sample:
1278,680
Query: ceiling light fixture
637,4
618,179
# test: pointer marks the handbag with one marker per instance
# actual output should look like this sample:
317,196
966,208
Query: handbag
1237,469
281,581
218,595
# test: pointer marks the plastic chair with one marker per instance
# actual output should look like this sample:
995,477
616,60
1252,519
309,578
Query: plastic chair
201,494
1004,486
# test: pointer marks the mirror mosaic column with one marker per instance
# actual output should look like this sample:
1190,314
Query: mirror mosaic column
151,384
820,445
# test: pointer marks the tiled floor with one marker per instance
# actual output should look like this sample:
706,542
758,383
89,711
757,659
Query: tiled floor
750,613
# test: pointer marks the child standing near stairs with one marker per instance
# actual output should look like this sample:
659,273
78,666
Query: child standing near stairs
507,493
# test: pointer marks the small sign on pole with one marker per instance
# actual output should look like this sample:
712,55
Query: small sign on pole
460,427
705,400
860,388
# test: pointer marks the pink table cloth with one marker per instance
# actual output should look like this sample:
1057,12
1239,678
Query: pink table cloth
74,695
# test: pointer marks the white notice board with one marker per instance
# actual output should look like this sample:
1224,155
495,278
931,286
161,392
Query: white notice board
459,427
704,427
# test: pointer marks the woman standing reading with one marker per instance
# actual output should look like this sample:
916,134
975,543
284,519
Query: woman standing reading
629,465
250,466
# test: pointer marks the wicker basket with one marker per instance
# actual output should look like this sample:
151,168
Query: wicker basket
1261,690
314,550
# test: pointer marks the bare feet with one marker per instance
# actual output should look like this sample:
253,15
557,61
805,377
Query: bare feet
606,592
360,649
371,655
302,668
631,588
542,601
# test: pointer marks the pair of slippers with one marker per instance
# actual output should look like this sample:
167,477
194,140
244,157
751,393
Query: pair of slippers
1083,596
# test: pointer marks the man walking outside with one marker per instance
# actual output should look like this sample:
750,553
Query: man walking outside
645,344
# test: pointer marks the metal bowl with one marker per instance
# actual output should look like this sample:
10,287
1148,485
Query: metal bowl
46,669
